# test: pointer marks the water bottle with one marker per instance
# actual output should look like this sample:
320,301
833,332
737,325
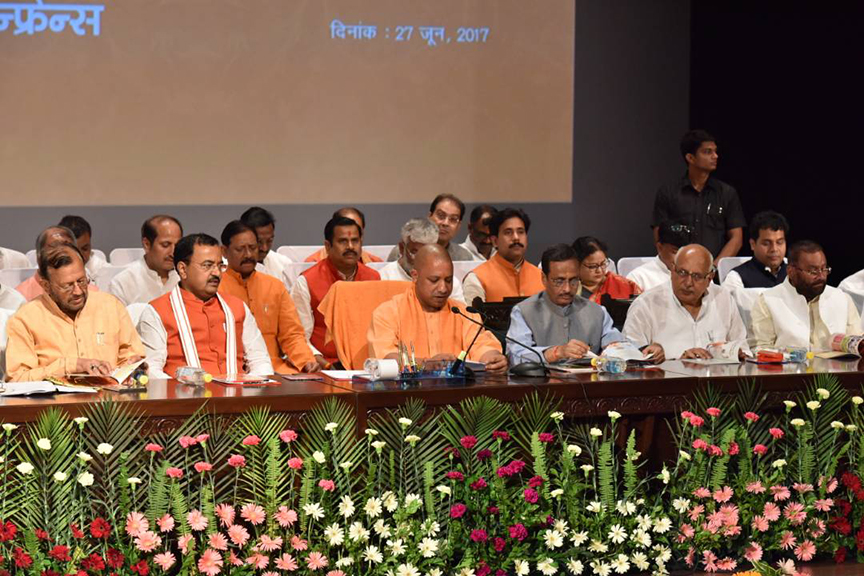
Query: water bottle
192,375
609,365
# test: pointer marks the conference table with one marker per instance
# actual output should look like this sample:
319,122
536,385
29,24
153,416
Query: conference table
640,392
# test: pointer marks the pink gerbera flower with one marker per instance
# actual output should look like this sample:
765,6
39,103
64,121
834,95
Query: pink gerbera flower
316,560
197,520
687,531
334,573
802,488
794,512
760,523
259,561
787,540
298,543
723,495
285,517
709,559
753,552
147,541
165,523
702,493
217,541
136,523
726,564
695,512
755,488
805,551
186,543
233,559
823,505
238,535
210,563
268,544
771,511
780,493
164,560
286,562
225,512
253,513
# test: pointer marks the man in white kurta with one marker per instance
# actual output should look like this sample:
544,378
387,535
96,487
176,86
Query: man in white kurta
854,286
10,299
679,319
804,311
13,259
153,274
657,270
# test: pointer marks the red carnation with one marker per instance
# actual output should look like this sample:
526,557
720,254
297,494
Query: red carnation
457,510
733,449
546,437
776,433
713,412
41,534
535,482
492,510
760,449
751,416
484,454
151,447
531,495
93,562
468,442
500,435
518,532
479,484
60,553
483,569
7,531
479,535
76,532
22,559
517,466
141,568
500,544
115,558
99,528
455,475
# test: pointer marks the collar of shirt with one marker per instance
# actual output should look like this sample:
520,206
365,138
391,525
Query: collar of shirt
236,276
687,186
54,309
707,301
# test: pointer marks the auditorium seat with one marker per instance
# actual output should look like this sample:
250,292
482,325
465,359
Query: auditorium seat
125,256
298,253
31,256
724,265
105,275
379,250
347,310
135,310
377,266
293,271
13,259
12,277
462,267
627,265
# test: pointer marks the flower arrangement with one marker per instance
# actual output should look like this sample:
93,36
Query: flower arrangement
477,489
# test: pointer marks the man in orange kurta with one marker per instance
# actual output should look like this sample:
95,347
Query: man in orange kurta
422,316
358,216
507,274
267,298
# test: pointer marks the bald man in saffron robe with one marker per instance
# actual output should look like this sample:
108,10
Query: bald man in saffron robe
422,316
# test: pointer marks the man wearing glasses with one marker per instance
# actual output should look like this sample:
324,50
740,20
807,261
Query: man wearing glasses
67,329
680,319
193,325
804,311
558,322
670,238
447,212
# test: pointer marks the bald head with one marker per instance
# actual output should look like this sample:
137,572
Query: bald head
53,236
694,258
692,274
433,276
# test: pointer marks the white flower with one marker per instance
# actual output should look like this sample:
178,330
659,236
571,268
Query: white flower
574,449
331,427
575,567
595,432
428,547
837,425
789,404
133,480
617,534
587,468
683,455
556,493
9,427
379,445
547,567
357,532
681,505
561,526
621,564
813,405
601,568
662,525
641,538
664,553
595,507
636,456
553,538
435,572
786,566
522,567
823,393
397,547
579,538
60,476
85,457
857,400
346,465
346,506
412,439
466,572
44,443
24,468
640,561
391,502
405,421
444,490
318,456
797,422
664,475
373,507
598,547
370,432
314,510
104,448
851,427
334,534
644,521
407,570
343,562
410,499
85,479
613,415
625,508
431,528
81,420
557,416
373,555
778,463
381,528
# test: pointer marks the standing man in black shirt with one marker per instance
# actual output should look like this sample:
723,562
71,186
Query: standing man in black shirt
766,269
710,208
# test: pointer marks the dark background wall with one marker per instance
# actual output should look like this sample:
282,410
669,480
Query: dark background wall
779,85
631,106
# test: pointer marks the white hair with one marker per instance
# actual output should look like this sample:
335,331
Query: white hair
420,230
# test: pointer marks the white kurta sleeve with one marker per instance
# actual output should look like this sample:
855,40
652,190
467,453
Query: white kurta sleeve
155,340
472,288
254,347
638,328
733,281
303,302
762,323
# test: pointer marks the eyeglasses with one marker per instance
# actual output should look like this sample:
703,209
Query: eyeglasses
445,218
69,287
695,276
559,282
208,267
815,272
596,267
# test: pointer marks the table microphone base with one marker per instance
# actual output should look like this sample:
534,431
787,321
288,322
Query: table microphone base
530,370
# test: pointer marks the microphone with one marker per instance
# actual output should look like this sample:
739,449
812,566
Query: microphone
529,369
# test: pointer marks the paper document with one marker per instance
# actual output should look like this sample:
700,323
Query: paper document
345,374
41,387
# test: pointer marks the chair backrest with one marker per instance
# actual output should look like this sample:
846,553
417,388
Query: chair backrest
298,253
135,310
105,275
125,256
617,309
12,277
347,310
380,250
462,267
293,271
14,259
496,315
724,265
31,258
377,266
627,265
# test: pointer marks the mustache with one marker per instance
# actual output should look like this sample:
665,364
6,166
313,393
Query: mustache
349,252
249,261
517,244
213,280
